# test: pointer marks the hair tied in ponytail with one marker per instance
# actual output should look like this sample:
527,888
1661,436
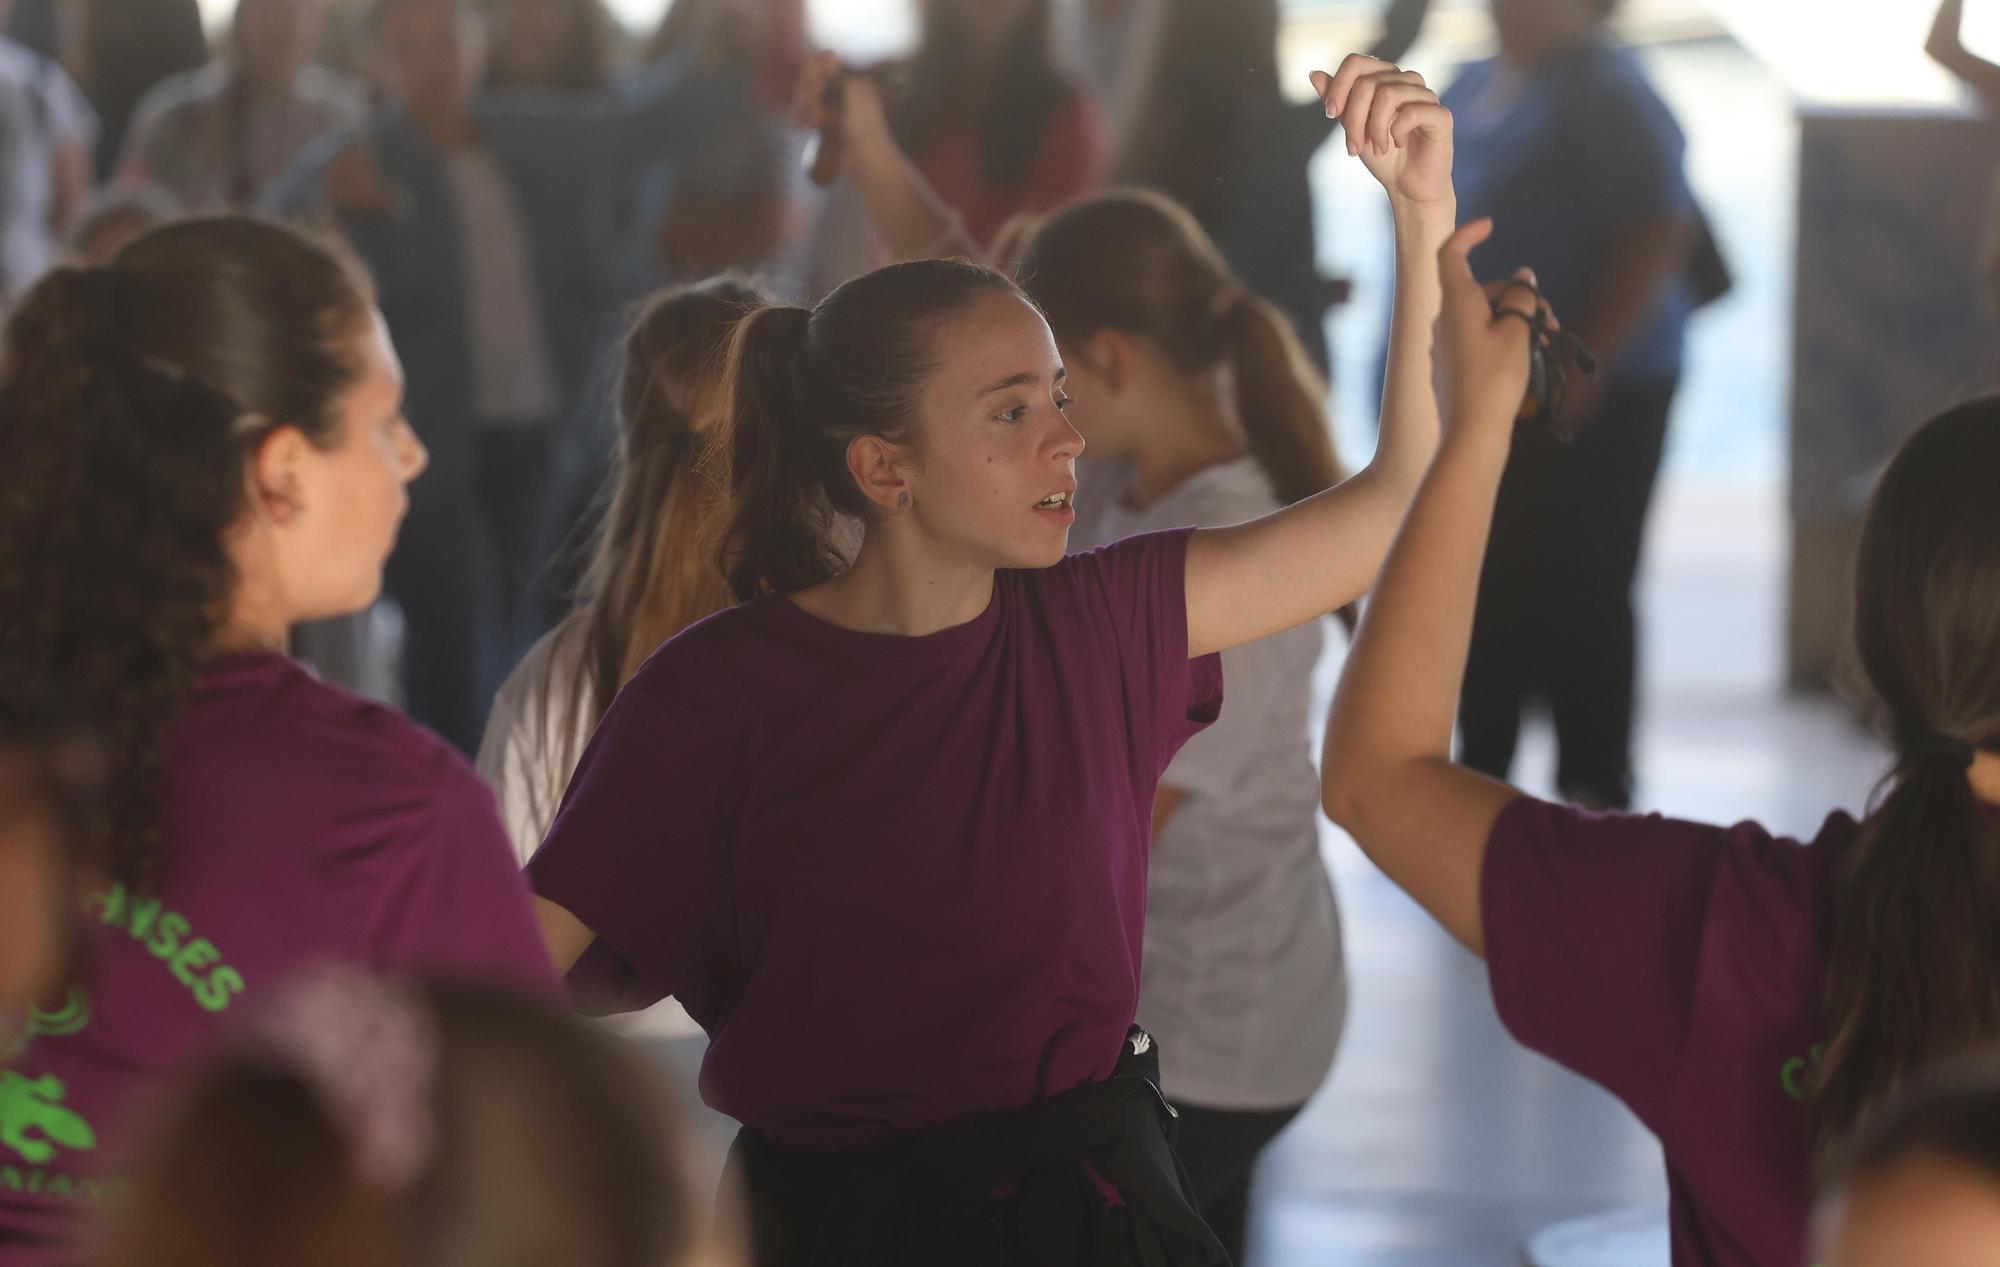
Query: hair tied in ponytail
1229,296
1944,750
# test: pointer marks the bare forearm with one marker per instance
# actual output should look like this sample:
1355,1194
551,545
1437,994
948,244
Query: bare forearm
1409,425
1398,696
1322,553
910,217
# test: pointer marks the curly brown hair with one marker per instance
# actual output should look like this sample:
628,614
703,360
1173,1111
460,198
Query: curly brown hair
131,397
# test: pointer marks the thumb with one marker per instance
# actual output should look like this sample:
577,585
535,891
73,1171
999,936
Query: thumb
1455,263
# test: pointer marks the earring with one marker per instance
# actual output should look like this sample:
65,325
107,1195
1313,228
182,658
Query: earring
903,502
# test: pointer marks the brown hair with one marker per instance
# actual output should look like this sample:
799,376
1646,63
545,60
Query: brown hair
803,386
1135,261
1951,1117
652,572
1210,61
552,1142
131,398
1914,971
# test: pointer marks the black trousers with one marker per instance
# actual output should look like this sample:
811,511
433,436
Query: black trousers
1555,620
1219,1149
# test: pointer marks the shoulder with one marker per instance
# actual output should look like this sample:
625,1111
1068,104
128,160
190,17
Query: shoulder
376,754
715,665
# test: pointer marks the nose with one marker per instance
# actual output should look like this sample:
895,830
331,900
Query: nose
416,458
1067,442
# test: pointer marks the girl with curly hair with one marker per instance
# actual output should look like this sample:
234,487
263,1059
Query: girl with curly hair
205,444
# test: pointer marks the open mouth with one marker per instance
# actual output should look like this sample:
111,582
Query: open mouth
1057,501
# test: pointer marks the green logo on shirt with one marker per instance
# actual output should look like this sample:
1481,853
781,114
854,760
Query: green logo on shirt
1796,1070
33,1120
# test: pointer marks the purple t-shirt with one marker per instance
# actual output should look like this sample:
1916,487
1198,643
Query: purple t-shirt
900,881
305,825
1681,967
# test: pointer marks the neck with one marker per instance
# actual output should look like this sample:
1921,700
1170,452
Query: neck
897,587
1187,433
257,618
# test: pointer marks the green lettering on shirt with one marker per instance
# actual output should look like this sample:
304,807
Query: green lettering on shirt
166,936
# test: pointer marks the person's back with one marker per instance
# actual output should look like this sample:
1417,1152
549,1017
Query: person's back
305,825
1753,1000
212,449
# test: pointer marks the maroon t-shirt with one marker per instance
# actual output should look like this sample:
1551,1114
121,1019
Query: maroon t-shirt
1680,966
900,881
304,826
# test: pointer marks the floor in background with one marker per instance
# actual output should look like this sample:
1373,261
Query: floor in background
1438,1140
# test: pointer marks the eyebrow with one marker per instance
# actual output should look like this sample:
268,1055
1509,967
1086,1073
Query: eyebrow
1017,380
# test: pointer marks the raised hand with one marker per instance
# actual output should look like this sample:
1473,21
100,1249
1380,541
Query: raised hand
1483,334
1394,124
845,108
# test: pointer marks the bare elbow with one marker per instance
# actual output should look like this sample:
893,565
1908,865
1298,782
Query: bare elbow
1343,789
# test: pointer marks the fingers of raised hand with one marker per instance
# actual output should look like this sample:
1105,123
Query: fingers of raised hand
1372,106
1333,89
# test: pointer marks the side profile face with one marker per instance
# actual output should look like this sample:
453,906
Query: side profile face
996,476
344,503
1928,1211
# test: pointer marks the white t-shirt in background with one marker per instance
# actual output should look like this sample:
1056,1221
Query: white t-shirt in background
1243,982
533,739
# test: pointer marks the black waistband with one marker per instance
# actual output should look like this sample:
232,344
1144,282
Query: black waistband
928,1198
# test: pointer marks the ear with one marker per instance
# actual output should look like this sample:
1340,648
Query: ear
1109,355
877,468
276,474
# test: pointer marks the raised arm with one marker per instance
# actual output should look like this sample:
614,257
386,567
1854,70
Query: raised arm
1253,580
1386,773
908,215
1947,47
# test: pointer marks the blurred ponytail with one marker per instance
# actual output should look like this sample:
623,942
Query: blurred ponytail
1913,973
1280,398
1136,261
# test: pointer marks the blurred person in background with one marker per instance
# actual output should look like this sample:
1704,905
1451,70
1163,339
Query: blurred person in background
216,137
206,443
113,217
1947,47
650,572
1213,130
494,223
561,45
47,130
989,117
119,51
1565,144
738,204
380,1122
1201,409
1920,1186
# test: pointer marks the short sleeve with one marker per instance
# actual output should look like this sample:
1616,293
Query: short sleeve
637,850
1605,932
1214,762
1140,584
456,905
